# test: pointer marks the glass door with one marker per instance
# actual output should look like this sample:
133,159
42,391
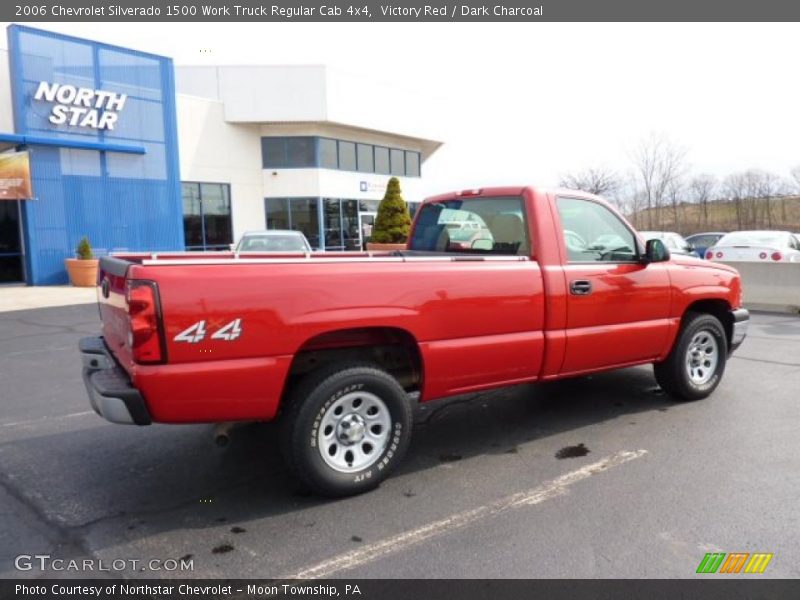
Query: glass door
366,221
11,270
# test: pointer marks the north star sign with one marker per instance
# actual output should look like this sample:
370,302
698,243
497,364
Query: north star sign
81,107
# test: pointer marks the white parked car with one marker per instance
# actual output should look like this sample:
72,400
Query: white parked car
778,246
273,240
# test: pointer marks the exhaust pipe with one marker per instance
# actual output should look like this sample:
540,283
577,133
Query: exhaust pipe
222,432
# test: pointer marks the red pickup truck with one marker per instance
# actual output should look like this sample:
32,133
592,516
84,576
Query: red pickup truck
496,287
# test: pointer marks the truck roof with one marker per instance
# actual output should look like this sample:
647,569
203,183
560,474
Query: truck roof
493,191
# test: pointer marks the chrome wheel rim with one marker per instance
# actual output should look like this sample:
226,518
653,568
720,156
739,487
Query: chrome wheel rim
354,432
702,357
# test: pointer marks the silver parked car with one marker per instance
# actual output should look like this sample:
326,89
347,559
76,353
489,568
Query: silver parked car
675,242
273,240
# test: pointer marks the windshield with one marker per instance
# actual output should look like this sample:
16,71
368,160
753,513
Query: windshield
273,243
754,238
493,225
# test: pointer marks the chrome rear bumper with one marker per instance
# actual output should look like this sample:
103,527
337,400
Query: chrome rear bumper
111,393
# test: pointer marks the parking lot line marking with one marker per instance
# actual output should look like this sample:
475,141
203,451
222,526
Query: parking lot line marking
47,418
395,543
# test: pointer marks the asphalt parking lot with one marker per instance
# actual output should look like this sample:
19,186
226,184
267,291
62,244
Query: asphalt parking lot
602,476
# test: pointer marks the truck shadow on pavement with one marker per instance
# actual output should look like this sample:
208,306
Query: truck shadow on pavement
113,485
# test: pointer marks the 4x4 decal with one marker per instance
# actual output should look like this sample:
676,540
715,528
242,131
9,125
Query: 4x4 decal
197,332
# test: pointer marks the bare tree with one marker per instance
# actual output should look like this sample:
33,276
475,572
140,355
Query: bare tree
795,174
626,198
735,188
768,187
674,193
636,200
658,163
598,180
701,189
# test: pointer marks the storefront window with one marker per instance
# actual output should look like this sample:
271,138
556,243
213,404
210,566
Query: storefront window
332,224
412,164
340,219
207,216
327,154
10,245
288,152
398,162
368,205
381,160
273,151
350,224
300,152
216,215
347,156
365,162
277,213
192,215
305,218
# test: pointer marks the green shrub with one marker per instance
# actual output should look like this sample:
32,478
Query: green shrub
84,249
393,221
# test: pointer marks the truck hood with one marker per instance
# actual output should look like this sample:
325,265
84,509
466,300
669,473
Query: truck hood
692,261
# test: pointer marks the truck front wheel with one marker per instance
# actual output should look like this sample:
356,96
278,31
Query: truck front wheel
346,429
696,363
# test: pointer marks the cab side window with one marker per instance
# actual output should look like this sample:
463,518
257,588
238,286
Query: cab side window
592,233
493,225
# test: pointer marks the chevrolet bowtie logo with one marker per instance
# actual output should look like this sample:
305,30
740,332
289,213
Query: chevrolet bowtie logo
736,562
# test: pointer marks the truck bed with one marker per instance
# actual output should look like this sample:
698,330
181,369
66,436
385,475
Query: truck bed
470,335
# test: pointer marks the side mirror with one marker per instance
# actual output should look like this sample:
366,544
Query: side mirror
655,251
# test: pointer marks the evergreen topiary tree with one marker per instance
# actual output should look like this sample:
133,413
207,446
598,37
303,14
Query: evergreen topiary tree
84,249
393,221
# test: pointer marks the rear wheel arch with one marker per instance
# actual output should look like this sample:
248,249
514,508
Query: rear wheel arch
392,349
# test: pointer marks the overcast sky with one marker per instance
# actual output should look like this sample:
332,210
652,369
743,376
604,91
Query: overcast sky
523,103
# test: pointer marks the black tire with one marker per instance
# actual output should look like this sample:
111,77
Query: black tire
313,403
674,375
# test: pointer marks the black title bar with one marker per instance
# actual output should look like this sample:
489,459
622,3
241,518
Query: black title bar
712,587
398,11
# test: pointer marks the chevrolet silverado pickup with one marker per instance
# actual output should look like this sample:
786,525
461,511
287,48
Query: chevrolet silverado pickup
496,287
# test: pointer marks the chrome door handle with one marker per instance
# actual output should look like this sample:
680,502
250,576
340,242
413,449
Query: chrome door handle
580,287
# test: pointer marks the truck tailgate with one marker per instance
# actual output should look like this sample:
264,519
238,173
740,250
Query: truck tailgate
114,308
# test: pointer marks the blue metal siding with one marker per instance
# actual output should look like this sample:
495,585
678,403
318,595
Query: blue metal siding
121,201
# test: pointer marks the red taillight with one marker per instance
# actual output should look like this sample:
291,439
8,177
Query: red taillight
143,321
776,256
709,255
475,192
762,256
719,254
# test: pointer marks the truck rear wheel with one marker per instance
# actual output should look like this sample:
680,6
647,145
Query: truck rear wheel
696,363
346,429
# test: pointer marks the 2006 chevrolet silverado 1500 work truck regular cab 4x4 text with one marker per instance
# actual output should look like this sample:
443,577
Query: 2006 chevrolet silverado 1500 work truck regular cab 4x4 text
497,287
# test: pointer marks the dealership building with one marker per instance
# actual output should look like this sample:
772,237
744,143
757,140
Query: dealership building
139,155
